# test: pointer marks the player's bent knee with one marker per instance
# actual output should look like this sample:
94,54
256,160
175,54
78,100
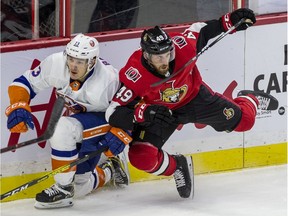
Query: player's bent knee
67,133
143,155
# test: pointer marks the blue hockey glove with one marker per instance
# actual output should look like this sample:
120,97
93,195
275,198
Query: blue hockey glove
19,117
116,139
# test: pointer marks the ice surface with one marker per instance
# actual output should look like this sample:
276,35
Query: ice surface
249,192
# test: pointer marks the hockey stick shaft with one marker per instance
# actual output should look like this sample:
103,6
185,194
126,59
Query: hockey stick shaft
201,52
52,173
55,115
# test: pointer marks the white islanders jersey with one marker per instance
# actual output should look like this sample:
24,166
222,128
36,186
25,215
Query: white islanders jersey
95,92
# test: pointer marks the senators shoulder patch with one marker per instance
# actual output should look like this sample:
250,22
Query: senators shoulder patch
179,41
133,74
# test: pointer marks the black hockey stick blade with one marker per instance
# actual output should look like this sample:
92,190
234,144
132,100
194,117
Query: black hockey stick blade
55,115
201,52
53,172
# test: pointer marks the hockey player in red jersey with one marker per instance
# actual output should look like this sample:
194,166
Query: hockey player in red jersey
154,112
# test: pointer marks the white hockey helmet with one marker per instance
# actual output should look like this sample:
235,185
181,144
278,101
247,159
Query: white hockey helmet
83,47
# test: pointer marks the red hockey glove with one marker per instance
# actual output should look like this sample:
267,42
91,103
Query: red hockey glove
116,139
146,113
19,117
230,19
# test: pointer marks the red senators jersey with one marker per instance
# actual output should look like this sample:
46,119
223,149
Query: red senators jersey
174,93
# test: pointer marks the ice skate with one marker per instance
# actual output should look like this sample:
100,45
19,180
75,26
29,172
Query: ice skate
266,101
184,176
120,176
55,197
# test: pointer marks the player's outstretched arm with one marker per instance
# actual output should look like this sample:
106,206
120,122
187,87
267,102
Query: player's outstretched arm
213,28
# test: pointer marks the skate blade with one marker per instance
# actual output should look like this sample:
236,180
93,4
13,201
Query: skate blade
191,173
123,158
58,204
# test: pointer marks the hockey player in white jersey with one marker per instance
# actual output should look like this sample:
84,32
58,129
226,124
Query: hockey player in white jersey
88,84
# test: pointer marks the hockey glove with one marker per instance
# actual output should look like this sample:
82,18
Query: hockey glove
146,113
230,19
19,117
116,139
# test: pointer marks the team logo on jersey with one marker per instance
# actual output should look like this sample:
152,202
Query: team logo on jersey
179,41
71,105
133,74
171,94
229,113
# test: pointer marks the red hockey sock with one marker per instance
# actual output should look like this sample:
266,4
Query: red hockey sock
248,107
144,156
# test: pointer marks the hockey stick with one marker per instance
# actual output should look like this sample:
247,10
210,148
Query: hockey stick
52,173
56,114
202,51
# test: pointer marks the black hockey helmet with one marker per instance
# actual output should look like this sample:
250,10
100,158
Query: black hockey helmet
156,41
